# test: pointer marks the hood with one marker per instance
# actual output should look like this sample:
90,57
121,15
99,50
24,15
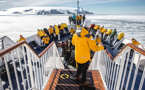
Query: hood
84,32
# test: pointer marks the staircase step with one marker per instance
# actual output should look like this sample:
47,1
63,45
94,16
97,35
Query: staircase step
60,80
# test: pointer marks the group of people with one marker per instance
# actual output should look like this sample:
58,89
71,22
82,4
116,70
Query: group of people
84,40
77,19
108,36
55,33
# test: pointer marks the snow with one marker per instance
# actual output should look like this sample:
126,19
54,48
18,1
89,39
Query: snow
119,17
40,10
132,25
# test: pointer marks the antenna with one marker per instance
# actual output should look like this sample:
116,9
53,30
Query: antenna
78,6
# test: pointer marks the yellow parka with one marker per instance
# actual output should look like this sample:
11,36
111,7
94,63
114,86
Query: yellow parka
41,33
100,28
51,30
72,31
103,30
65,25
109,31
120,36
56,29
96,27
83,45
21,38
78,17
98,39
61,27
135,42
46,40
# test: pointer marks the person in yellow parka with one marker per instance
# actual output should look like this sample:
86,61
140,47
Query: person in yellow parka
96,27
41,33
83,45
109,31
102,30
119,37
66,28
38,32
98,39
51,31
56,31
135,42
78,18
61,31
45,41
21,38
72,31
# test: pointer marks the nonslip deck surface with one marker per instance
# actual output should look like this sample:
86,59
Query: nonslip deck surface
60,80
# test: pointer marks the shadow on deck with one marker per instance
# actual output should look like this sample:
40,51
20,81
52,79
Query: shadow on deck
60,80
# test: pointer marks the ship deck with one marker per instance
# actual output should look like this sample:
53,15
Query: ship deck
60,80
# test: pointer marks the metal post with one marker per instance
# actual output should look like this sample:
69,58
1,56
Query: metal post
23,80
8,72
15,69
25,65
1,85
122,75
30,69
78,7
136,71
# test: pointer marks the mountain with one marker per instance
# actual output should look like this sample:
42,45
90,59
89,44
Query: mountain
42,11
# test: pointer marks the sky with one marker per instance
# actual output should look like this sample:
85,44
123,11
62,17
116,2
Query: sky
97,6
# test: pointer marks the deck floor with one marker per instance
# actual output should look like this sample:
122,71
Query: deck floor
60,80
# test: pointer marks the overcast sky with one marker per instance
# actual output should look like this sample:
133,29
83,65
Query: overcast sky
98,6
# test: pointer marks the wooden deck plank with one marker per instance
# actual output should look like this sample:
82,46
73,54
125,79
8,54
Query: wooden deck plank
56,80
50,81
98,80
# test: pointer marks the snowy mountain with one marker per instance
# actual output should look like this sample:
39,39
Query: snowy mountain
42,11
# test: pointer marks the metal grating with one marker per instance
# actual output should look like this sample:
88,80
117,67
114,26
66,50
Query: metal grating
60,80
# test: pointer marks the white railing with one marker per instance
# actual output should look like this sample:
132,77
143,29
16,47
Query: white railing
123,72
6,42
25,70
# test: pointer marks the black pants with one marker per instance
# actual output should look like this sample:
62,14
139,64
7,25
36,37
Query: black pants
82,69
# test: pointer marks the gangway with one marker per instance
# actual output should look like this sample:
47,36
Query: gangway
60,80
31,71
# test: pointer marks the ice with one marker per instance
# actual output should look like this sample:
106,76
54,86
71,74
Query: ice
13,26
132,25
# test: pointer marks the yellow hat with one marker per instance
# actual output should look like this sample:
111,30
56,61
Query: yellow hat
77,25
135,42
96,27
109,31
120,35
103,30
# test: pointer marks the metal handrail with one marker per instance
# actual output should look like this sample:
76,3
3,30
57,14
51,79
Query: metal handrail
117,72
37,71
139,50
5,51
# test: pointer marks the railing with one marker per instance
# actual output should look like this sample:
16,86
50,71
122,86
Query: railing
25,70
123,72
6,42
